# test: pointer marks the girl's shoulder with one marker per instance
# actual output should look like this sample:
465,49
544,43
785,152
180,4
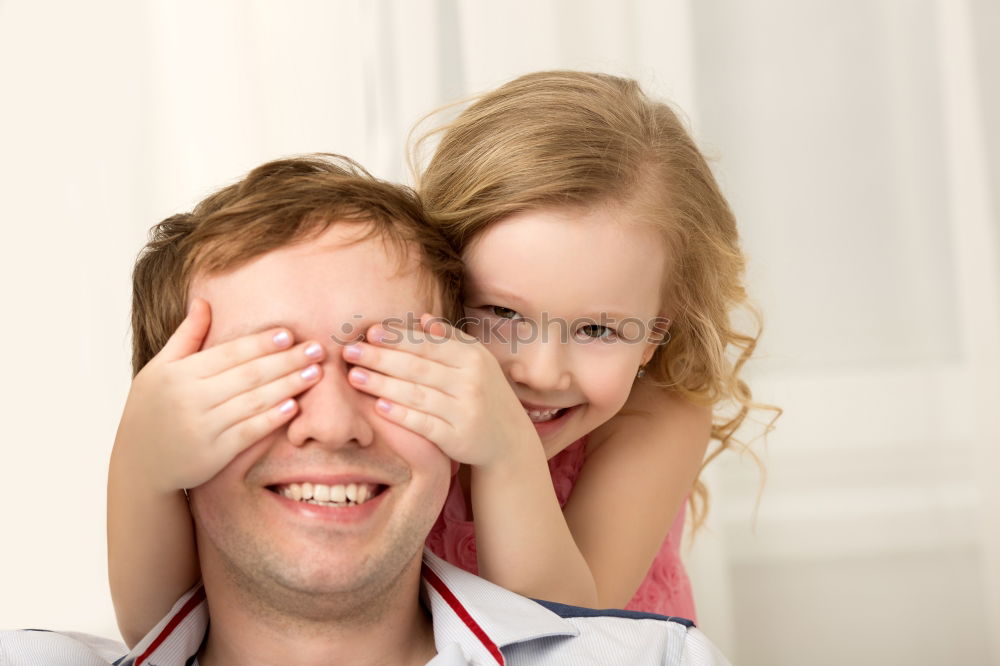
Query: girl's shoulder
650,411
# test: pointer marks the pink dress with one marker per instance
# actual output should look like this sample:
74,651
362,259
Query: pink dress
665,589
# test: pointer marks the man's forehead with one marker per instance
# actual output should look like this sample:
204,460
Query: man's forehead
324,290
339,317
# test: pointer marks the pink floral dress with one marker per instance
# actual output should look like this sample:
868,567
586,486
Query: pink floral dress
665,589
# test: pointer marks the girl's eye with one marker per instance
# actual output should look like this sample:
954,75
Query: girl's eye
504,313
597,332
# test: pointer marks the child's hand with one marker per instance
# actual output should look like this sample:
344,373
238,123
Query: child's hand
441,383
190,412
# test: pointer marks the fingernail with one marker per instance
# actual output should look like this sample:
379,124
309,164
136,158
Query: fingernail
377,334
383,405
359,376
310,373
314,350
282,339
287,406
353,351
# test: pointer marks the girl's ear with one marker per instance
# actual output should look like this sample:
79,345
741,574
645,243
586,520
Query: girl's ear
648,354
659,329
659,335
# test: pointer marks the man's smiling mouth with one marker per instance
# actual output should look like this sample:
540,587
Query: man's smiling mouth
340,495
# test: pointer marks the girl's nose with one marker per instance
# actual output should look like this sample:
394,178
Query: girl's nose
540,366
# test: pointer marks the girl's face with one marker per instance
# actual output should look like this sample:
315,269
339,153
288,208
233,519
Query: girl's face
568,300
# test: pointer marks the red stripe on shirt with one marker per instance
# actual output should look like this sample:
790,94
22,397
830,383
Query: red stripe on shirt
459,609
195,599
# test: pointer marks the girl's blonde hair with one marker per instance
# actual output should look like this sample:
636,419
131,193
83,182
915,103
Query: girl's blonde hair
564,138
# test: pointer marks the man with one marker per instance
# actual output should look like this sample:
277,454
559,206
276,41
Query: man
291,582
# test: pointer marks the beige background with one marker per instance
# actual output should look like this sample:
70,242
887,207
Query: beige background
853,138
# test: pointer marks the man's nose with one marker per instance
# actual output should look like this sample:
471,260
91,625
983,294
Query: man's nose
541,365
332,413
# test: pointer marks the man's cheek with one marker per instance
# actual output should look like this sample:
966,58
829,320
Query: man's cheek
423,455
248,456
426,455
212,499
203,503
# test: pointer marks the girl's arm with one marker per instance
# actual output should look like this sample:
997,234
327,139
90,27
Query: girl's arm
523,541
188,414
455,394
639,470
443,384
151,551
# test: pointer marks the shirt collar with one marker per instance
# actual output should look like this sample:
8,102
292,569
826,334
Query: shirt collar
481,616
177,637
466,609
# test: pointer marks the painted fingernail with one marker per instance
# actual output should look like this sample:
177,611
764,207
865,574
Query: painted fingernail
282,339
287,406
353,351
383,405
314,350
359,376
310,373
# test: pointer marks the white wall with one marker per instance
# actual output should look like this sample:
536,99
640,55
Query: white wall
850,136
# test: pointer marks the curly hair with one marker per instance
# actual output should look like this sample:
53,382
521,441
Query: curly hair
577,139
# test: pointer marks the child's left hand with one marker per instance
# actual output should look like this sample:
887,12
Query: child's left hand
441,383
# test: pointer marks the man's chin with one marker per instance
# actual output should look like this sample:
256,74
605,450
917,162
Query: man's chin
323,587
299,567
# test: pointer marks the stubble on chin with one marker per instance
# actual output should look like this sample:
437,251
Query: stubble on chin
301,594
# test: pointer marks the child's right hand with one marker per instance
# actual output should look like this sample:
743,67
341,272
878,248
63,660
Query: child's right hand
190,412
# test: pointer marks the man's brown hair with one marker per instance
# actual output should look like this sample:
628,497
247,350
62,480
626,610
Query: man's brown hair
280,203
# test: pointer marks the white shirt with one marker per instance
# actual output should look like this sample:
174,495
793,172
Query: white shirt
475,622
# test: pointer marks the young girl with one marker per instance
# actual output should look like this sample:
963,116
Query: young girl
602,266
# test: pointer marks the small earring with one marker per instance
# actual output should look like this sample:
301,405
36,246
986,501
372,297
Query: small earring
642,372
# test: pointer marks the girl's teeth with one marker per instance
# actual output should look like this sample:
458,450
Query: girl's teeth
542,415
351,494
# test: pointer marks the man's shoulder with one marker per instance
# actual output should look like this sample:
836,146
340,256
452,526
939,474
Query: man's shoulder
492,623
38,647
567,611
614,636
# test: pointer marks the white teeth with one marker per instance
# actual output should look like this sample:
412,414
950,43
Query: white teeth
351,494
542,415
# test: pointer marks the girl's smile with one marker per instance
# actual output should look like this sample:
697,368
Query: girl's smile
549,421
549,292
